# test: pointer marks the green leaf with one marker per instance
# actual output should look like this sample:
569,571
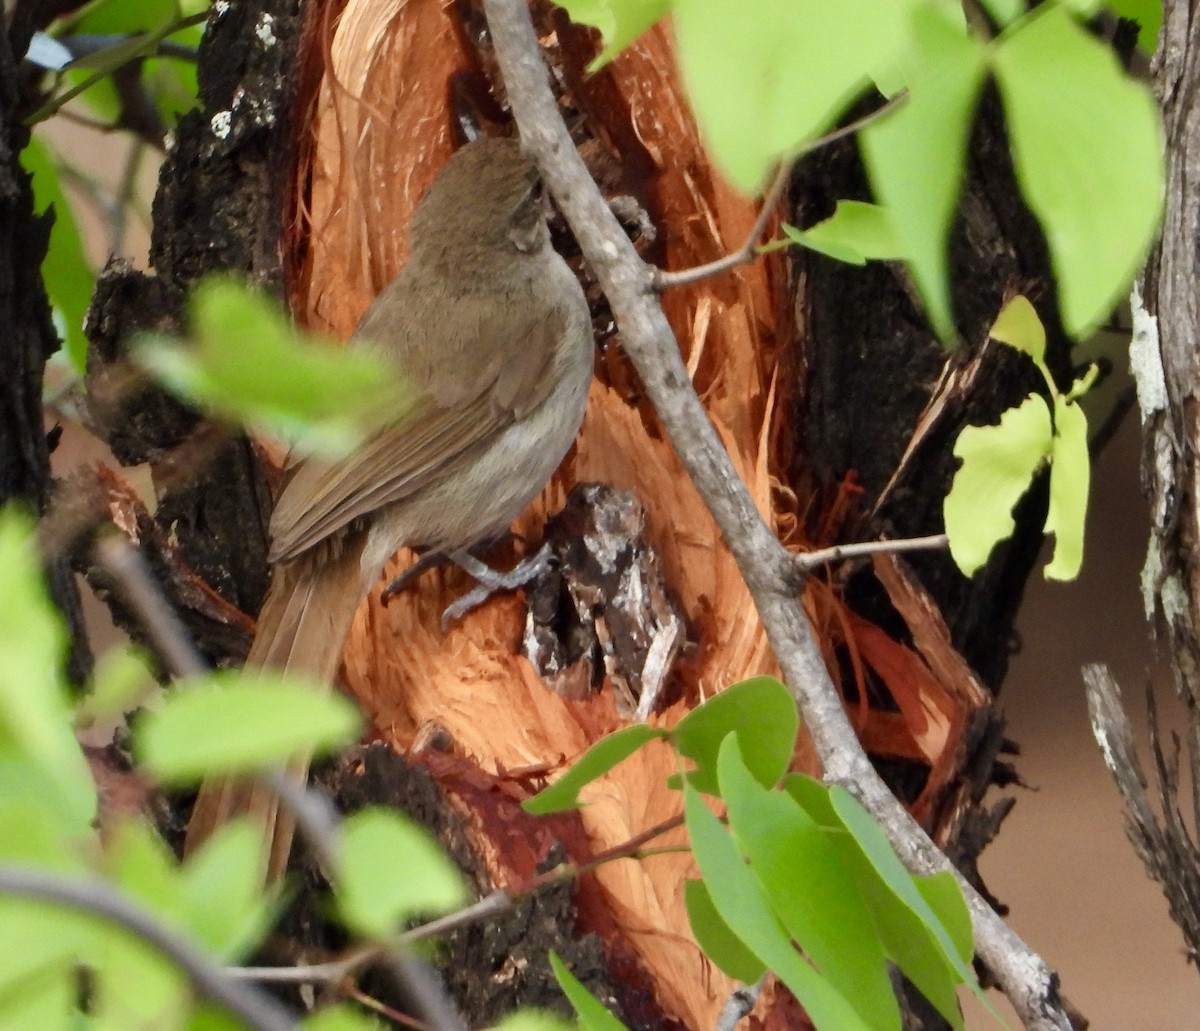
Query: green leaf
619,22
740,900
35,715
998,463
235,723
68,276
1083,9
1082,133
249,364
813,797
763,715
606,753
119,17
810,889
762,85
221,898
207,1016
945,898
343,1017
46,999
1148,15
915,155
120,679
138,862
51,937
134,985
1070,472
713,935
910,930
1004,11
856,232
593,1016
533,1020
1018,326
393,870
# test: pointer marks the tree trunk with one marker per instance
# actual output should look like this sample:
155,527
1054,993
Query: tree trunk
1165,357
27,335
317,133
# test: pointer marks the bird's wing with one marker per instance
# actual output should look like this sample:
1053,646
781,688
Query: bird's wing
487,384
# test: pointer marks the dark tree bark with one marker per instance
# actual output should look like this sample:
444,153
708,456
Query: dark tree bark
27,335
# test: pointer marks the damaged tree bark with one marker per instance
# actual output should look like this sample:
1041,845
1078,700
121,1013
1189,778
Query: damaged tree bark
317,133
1165,357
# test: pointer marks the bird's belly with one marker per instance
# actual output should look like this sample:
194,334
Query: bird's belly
485,492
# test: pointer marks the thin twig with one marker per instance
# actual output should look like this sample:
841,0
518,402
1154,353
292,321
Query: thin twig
496,904
750,248
129,571
253,1008
810,560
768,569
415,979
745,254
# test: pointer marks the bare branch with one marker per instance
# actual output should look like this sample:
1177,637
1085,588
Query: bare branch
748,251
255,1009
768,569
1165,847
745,254
809,560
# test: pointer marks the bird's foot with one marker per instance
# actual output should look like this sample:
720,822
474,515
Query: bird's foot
491,582
405,579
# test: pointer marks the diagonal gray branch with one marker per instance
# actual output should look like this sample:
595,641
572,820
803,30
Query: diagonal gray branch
768,569
253,1007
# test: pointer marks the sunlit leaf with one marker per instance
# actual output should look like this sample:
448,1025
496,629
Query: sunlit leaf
533,1020
248,364
762,714
35,715
1148,15
619,22
998,463
1004,11
809,889
714,936
915,154
593,1016
68,276
856,232
762,85
910,930
235,723
120,679
1082,133
945,898
393,870
1018,326
342,1017
221,899
606,753
740,900
1070,473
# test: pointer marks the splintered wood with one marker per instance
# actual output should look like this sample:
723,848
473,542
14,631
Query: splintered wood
378,129
386,83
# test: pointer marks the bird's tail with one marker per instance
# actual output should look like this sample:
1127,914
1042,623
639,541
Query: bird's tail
301,629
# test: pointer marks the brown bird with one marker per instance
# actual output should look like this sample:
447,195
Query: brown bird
488,325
